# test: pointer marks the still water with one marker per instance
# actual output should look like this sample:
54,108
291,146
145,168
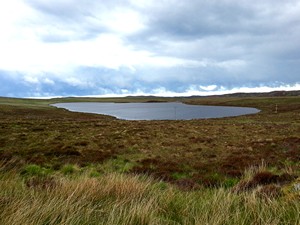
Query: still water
156,111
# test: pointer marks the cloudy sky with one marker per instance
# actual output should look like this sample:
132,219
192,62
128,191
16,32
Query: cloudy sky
166,47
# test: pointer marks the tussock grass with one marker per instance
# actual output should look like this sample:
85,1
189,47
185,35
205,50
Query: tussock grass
130,199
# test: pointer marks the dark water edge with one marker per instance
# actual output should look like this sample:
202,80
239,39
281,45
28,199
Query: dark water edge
156,111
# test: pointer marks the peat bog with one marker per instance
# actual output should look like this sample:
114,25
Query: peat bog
205,152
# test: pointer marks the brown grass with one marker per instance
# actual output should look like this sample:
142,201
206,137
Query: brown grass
127,199
207,152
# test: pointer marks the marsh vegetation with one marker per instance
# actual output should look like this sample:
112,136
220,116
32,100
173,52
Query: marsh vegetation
61,167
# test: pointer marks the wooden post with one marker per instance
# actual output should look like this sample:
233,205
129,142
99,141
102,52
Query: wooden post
276,108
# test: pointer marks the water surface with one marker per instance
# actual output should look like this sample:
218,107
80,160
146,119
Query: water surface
156,111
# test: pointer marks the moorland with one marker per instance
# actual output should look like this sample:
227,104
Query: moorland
95,169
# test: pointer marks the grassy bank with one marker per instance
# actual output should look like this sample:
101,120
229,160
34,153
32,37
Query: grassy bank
61,167
83,198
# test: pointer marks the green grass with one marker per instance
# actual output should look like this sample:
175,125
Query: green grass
69,169
35,170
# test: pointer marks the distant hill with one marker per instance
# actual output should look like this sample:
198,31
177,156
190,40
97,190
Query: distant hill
261,94
268,94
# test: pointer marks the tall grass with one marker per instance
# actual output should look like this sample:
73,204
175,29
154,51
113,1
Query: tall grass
129,199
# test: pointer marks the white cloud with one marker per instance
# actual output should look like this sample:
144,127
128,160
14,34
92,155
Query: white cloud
232,65
223,90
192,91
107,50
208,88
74,81
123,21
31,79
22,48
48,81
11,13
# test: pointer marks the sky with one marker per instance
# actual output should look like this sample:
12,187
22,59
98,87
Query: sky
144,47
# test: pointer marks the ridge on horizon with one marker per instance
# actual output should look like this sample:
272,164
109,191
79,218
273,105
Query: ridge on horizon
236,94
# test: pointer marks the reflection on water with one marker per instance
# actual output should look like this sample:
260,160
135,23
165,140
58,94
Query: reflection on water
156,111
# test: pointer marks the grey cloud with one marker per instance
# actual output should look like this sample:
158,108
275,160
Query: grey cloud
192,20
71,19
198,20
264,34
69,10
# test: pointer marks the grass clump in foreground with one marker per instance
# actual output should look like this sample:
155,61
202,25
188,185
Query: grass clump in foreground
114,198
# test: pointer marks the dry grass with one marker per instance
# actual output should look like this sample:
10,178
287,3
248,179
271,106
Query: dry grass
127,199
